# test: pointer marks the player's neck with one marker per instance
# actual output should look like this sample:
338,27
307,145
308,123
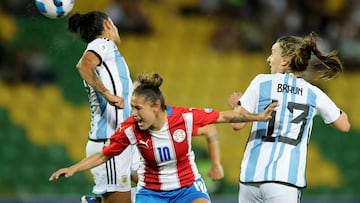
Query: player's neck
161,119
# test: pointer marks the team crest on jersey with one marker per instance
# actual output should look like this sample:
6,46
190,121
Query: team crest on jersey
179,135
208,110
124,180
103,48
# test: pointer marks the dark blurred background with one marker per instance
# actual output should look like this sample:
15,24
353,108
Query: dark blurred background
204,49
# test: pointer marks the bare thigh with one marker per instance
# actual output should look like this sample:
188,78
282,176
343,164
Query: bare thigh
201,200
116,197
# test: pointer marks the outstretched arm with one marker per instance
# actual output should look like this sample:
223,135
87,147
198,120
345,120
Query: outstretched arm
85,164
238,126
216,171
244,116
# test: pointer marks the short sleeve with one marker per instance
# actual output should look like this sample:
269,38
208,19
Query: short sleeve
203,117
118,143
248,99
326,108
101,47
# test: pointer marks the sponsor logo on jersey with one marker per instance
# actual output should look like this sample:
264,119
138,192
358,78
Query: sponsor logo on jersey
144,143
179,135
208,110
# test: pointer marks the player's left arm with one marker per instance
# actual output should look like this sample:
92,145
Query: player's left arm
216,171
342,123
331,114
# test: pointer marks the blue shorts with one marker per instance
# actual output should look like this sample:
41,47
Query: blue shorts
181,195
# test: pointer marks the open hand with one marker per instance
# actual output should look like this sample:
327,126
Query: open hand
114,100
269,110
66,172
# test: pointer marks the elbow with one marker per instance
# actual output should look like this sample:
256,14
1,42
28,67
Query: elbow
235,128
345,128
238,126
342,124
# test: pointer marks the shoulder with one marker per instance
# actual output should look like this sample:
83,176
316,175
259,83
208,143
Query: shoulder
317,90
174,112
262,77
178,110
101,46
130,122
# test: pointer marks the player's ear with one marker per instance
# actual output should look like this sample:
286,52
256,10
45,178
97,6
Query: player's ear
157,105
107,25
285,62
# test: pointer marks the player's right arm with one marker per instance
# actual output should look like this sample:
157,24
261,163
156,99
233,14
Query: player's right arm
244,116
86,67
216,172
85,164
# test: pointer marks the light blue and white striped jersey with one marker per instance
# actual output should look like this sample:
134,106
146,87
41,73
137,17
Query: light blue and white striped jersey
114,73
276,150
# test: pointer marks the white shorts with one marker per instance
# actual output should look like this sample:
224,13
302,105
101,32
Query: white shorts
114,175
268,193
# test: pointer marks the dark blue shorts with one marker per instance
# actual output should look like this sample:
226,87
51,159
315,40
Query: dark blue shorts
181,195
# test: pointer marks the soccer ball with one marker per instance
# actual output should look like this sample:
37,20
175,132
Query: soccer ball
54,8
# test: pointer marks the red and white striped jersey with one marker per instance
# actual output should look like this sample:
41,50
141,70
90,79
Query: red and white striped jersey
168,161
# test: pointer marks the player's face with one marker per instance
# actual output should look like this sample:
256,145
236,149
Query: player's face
115,32
276,61
143,111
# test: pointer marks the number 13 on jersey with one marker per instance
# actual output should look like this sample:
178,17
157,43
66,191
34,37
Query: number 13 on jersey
301,119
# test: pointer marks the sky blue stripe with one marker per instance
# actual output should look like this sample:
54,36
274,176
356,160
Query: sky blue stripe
123,75
102,124
295,153
282,147
264,100
281,122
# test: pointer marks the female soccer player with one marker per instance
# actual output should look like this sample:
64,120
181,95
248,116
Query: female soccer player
274,162
162,133
109,86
